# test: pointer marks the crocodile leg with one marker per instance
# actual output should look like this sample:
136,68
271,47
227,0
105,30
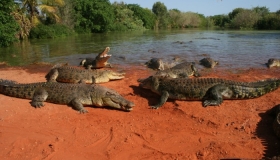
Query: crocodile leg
39,96
196,74
52,75
77,105
89,66
163,99
214,96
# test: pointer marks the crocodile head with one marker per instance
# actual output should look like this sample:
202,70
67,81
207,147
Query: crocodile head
149,83
104,53
155,63
115,100
272,62
102,58
208,62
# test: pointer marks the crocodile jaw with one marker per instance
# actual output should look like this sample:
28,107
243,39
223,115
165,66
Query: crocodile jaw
104,53
146,82
128,107
115,100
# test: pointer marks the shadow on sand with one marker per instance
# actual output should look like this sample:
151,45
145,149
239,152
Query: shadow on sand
266,133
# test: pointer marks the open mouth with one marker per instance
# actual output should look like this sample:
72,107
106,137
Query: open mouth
105,53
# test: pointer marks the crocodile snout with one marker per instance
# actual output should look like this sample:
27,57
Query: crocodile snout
129,106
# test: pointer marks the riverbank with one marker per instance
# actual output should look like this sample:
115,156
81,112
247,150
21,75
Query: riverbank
178,130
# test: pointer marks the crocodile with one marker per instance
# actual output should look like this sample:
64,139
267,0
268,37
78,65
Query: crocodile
100,61
273,63
158,64
75,95
208,62
70,74
212,91
182,70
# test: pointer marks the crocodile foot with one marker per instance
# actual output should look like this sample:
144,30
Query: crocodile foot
82,111
37,104
154,107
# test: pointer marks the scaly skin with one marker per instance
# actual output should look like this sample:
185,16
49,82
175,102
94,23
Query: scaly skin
100,60
211,91
182,70
208,62
75,95
273,63
69,74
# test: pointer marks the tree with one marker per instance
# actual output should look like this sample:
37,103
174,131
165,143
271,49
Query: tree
221,21
125,19
30,6
8,25
50,8
270,21
184,19
145,15
93,15
176,18
67,13
262,11
23,22
246,19
235,12
160,10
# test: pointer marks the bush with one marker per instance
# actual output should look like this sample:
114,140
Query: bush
42,31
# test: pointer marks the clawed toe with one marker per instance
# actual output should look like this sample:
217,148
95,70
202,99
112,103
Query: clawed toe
154,107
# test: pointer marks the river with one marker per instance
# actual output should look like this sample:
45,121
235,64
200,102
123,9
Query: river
233,49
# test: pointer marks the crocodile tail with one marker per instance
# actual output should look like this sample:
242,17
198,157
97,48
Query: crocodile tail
4,82
272,84
257,89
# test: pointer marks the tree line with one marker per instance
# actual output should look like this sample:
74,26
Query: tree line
256,18
26,19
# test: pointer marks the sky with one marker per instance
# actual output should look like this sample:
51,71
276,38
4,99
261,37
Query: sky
207,7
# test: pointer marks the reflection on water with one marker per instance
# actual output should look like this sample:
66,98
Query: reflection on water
233,49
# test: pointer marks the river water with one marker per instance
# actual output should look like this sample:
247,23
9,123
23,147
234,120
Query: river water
233,49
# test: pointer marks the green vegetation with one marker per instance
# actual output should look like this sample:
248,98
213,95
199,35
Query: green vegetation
50,31
93,15
255,18
8,25
145,15
125,19
60,18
